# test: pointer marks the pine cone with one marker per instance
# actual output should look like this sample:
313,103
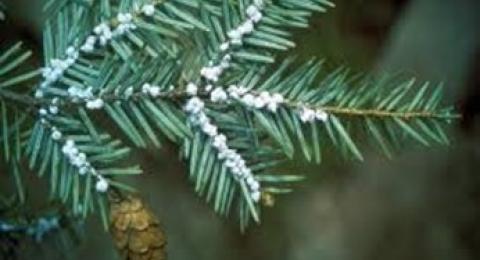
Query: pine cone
135,230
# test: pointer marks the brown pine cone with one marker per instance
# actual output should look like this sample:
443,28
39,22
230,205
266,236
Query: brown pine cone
135,230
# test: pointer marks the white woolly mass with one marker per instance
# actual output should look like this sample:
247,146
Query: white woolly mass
264,100
56,135
212,73
95,104
69,149
102,34
42,112
308,115
148,9
231,158
53,109
102,185
192,89
254,14
271,102
235,36
151,90
128,92
224,46
57,67
79,94
218,95
79,160
195,106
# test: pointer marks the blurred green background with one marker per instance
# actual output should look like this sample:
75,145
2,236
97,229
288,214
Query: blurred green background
422,205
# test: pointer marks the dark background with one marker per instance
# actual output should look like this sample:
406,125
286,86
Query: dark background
424,204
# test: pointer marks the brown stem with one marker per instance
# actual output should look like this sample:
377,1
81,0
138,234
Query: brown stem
384,113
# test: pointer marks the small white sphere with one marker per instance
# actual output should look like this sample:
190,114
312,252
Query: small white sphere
108,34
128,92
87,47
146,88
95,104
121,18
260,102
43,111
155,91
250,180
192,89
218,95
71,51
39,94
53,110
255,186
210,130
128,17
252,10
220,142
246,27
56,135
265,95
248,100
148,10
234,34
194,105
272,106
101,185
98,29
256,196
307,115
321,115
224,46
70,143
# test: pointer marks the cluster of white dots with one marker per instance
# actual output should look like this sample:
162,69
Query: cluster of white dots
231,158
309,115
270,101
195,106
69,149
56,69
101,35
95,102
151,90
213,72
254,16
77,94
52,109
263,100
77,158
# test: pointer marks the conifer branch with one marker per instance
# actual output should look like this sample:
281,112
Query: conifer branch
198,73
